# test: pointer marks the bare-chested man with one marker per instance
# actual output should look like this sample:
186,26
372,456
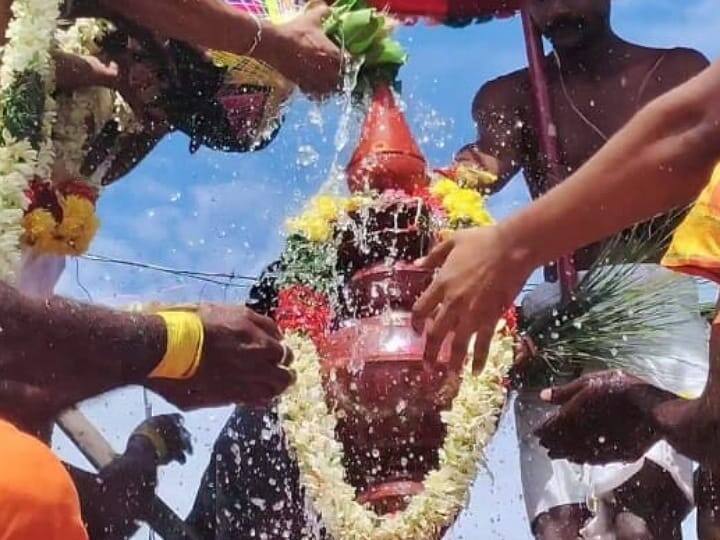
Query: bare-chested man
597,82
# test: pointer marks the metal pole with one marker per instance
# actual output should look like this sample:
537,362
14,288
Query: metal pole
547,133
99,453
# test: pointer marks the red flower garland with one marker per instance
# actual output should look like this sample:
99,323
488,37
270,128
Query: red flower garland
302,309
511,321
44,195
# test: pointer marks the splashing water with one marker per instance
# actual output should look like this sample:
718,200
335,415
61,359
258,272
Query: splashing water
336,177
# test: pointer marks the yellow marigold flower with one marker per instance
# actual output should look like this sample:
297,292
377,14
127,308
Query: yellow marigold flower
313,228
39,226
79,224
482,217
466,205
443,187
326,207
315,223
70,237
472,177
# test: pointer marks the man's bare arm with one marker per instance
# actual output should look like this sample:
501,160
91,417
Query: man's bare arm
498,145
299,49
660,160
60,340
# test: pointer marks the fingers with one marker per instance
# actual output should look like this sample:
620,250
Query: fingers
561,436
438,330
317,11
483,337
426,305
437,255
459,350
265,323
270,386
288,356
560,395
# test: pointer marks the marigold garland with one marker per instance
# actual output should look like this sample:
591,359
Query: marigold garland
66,222
26,150
69,235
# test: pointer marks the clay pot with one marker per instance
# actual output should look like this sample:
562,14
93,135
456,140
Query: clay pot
387,401
381,288
387,156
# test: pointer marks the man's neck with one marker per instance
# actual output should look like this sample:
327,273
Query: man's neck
603,55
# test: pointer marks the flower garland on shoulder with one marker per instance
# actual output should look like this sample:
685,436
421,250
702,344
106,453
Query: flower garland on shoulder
309,284
26,115
45,203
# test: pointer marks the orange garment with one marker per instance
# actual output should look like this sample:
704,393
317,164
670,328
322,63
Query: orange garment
695,247
38,500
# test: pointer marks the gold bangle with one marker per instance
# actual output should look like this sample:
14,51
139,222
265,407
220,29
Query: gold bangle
185,337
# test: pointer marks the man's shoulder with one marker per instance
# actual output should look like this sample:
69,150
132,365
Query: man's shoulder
685,56
673,67
506,90
676,65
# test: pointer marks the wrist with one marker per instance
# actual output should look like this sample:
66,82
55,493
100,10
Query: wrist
248,34
140,447
522,254
185,339
152,331
270,48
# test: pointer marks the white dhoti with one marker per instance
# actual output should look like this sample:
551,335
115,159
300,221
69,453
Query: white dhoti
681,368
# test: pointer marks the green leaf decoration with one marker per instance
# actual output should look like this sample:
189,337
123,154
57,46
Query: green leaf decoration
616,318
309,263
365,33
22,106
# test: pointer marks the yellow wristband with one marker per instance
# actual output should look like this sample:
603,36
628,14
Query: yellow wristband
185,336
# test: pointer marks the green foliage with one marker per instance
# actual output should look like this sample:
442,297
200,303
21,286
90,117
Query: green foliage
309,263
616,317
365,33
22,106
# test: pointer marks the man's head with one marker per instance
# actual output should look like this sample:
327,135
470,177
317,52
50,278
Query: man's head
571,24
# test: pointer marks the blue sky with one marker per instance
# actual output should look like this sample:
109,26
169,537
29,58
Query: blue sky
224,213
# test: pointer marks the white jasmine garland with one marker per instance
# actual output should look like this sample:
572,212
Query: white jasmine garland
310,428
86,107
30,36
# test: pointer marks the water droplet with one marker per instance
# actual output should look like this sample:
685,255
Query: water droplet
307,156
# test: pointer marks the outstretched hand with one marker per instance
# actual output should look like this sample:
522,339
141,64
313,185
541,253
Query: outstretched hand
604,417
478,277
302,52
243,361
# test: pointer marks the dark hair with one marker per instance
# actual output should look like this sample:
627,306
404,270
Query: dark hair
199,102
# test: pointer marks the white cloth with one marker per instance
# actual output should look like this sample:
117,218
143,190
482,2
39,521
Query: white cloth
682,369
39,273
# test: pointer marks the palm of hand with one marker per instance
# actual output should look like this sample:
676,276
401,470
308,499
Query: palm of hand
605,417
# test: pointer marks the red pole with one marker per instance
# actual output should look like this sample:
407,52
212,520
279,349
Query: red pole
547,132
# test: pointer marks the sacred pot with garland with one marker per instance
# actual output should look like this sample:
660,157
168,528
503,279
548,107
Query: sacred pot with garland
387,401
387,446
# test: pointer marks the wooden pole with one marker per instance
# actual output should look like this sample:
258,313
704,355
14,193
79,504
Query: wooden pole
547,133
99,453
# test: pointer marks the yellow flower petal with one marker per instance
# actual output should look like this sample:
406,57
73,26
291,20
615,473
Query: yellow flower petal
443,187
